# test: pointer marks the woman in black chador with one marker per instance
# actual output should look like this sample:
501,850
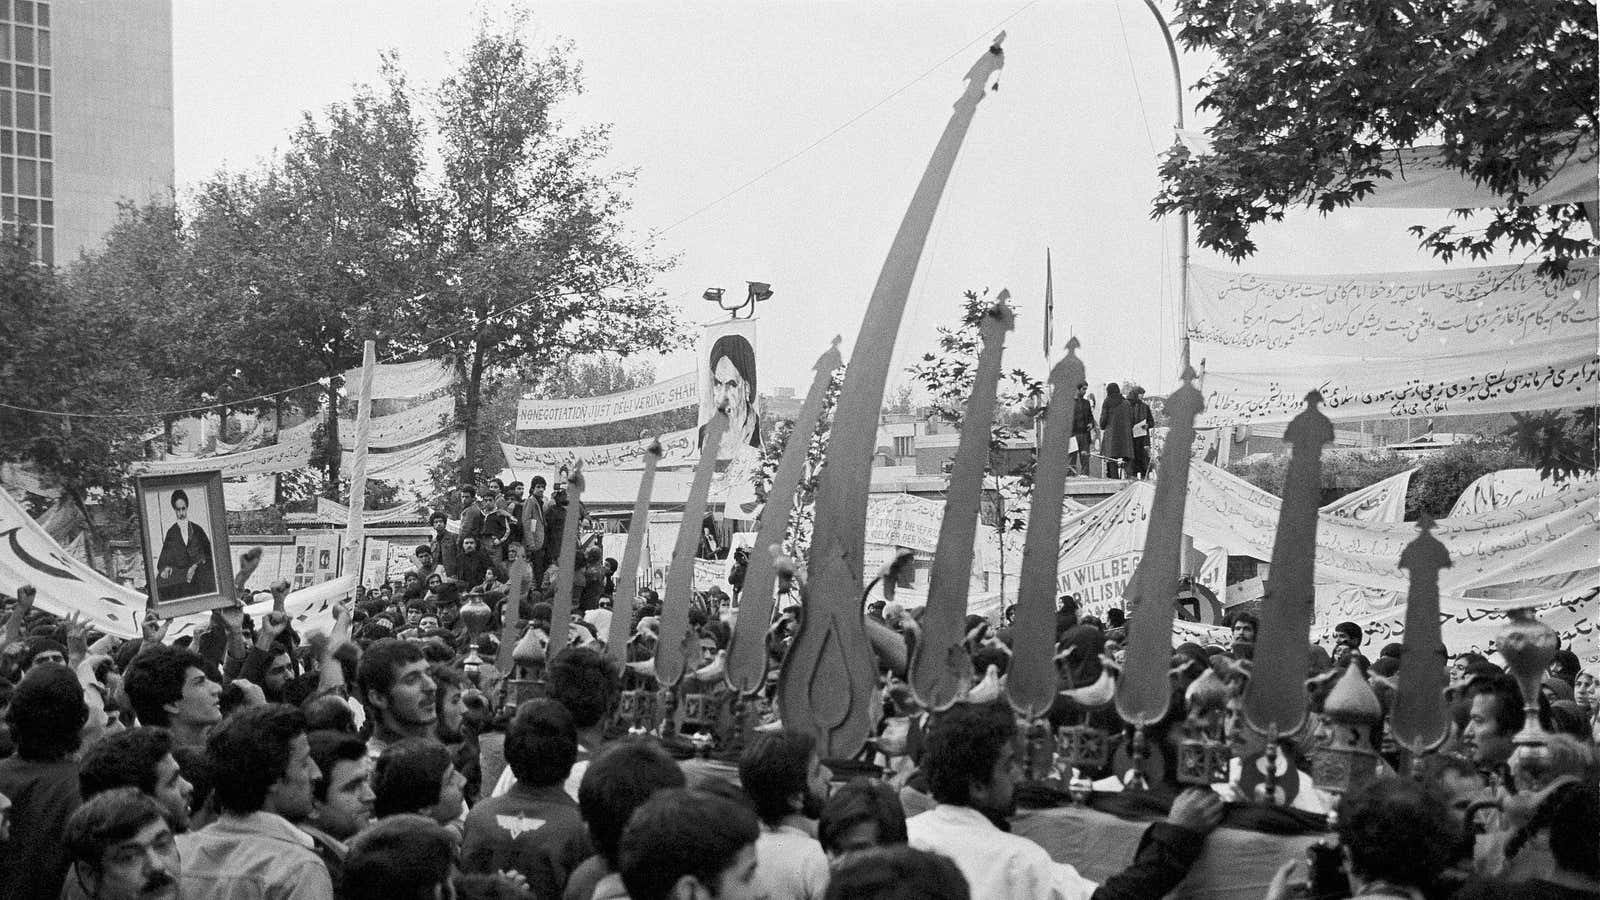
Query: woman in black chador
185,568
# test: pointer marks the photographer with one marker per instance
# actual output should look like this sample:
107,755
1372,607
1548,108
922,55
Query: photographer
1397,837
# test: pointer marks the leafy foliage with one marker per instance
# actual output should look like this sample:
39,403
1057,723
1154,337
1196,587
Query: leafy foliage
802,516
1313,100
1559,446
66,351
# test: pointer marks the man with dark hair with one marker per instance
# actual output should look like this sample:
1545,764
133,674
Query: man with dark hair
622,777
474,561
1563,820
393,682
687,844
587,684
1495,718
859,816
46,716
472,512
122,848
1245,626
140,758
535,829
1397,835
972,769
897,873
534,511
1083,428
788,785
261,761
400,858
341,797
1347,639
170,688
444,545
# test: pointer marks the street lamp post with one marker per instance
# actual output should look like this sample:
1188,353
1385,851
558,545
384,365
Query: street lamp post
758,291
1183,214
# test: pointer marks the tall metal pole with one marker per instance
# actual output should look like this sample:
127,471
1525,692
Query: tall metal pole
1183,214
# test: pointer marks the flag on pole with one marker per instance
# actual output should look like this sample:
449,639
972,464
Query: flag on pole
1049,309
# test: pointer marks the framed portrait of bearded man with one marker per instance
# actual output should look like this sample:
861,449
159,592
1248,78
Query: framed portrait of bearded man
184,530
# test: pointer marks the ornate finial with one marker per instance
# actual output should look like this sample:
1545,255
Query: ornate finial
1313,397
1001,310
1352,699
1425,523
1189,374
1073,343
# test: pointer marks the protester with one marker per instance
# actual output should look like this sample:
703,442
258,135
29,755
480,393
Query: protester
399,695
861,815
417,776
400,858
686,844
620,779
535,829
171,688
121,848
140,758
788,786
46,716
973,769
264,775
897,873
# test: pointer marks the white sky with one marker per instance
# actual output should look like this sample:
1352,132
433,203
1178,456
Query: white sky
704,96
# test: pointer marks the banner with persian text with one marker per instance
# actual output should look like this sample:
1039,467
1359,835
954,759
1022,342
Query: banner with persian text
1459,341
677,449
284,456
406,427
1383,501
403,381
66,586
674,393
1508,487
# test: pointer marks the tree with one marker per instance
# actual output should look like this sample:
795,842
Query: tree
797,541
1560,447
1314,99
948,375
535,265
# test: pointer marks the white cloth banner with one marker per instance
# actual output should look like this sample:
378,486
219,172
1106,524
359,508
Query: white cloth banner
906,520
402,428
1509,487
1383,501
1460,341
65,585
1502,559
410,465
1424,179
283,456
251,493
678,448
309,609
339,514
303,430
402,381
674,393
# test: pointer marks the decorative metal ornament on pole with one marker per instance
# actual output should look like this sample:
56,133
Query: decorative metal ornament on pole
566,565
941,670
831,645
671,650
1421,719
628,574
747,654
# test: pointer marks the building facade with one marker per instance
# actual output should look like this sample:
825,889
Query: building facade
85,116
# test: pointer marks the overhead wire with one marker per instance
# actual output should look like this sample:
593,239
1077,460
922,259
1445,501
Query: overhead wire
987,34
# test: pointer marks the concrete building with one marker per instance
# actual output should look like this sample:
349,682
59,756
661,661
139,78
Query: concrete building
85,116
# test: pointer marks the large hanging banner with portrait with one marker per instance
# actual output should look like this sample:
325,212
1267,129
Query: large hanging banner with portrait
1453,342
663,396
727,380
184,531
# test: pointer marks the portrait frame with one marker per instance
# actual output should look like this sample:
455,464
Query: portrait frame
160,536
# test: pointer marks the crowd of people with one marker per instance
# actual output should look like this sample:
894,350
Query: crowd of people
428,747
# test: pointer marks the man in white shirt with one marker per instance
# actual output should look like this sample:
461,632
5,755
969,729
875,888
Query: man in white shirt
788,785
972,769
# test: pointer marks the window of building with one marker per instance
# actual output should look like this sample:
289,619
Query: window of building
904,446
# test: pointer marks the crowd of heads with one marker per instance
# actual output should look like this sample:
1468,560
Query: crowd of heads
403,743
